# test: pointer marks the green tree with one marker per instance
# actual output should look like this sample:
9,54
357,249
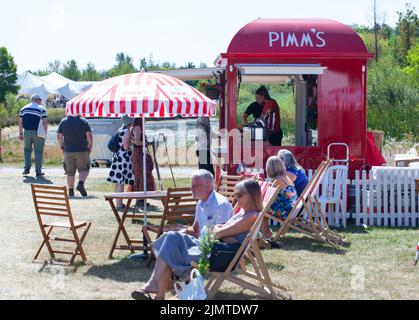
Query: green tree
124,65
90,73
167,65
71,70
151,64
407,33
412,68
54,66
143,64
189,65
8,76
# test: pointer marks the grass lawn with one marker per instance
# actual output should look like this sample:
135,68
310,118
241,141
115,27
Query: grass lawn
378,264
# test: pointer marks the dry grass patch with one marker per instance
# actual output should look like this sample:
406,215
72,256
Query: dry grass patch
377,265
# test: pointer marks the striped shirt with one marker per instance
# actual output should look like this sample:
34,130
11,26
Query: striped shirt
31,114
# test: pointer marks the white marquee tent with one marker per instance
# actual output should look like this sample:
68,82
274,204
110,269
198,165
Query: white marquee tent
51,84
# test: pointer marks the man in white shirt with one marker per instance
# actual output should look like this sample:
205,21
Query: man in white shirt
212,208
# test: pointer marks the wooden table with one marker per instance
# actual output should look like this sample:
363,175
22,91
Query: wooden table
130,196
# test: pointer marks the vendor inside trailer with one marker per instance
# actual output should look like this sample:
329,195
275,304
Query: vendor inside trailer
290,120
265,109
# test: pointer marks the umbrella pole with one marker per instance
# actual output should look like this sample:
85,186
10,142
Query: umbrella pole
145,187
144,255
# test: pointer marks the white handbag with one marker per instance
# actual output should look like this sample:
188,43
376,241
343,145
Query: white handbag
42,133
194,290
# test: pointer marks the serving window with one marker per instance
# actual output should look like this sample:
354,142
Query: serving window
296,95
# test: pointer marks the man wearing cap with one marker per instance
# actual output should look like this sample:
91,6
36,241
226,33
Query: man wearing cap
75,139
30,118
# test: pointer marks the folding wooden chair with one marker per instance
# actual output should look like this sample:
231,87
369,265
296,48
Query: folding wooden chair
52,201
179,212
307,215
226,187
249,252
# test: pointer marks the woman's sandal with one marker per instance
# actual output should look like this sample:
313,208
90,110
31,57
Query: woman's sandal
141,294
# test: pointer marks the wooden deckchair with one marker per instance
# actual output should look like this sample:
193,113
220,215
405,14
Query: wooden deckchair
178,213
226,186
52,201
249,252
307,215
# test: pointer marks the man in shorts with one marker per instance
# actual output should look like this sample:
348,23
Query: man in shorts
76,141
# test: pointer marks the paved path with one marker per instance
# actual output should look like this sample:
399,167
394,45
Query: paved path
179,172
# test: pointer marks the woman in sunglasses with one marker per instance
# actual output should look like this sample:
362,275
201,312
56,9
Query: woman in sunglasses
175,251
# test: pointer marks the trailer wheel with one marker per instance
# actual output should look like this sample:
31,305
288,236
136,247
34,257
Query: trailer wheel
108,164
95,164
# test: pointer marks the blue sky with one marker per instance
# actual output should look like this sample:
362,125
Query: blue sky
36,32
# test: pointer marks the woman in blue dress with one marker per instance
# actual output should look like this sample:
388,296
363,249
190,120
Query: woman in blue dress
293,167
175,251
287,196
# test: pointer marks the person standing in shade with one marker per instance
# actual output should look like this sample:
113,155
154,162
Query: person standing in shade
121,172
271,115
76,141
203,144
31,117
137,160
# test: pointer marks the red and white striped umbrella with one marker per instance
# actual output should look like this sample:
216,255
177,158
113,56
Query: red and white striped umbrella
141,95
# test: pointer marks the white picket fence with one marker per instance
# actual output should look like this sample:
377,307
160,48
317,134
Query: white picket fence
385,197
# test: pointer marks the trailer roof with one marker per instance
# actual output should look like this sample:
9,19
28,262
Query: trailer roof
295,38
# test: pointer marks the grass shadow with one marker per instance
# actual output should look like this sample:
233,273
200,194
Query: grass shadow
124,270
37,180
59,266
150,208
83,198
353,229
305,243
274,266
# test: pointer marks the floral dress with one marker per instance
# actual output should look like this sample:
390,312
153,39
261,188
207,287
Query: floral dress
121,168
285,201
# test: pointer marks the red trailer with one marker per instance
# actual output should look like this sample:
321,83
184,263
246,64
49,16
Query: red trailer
327,61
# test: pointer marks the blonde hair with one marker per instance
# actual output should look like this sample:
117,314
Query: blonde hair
275,167
252,188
